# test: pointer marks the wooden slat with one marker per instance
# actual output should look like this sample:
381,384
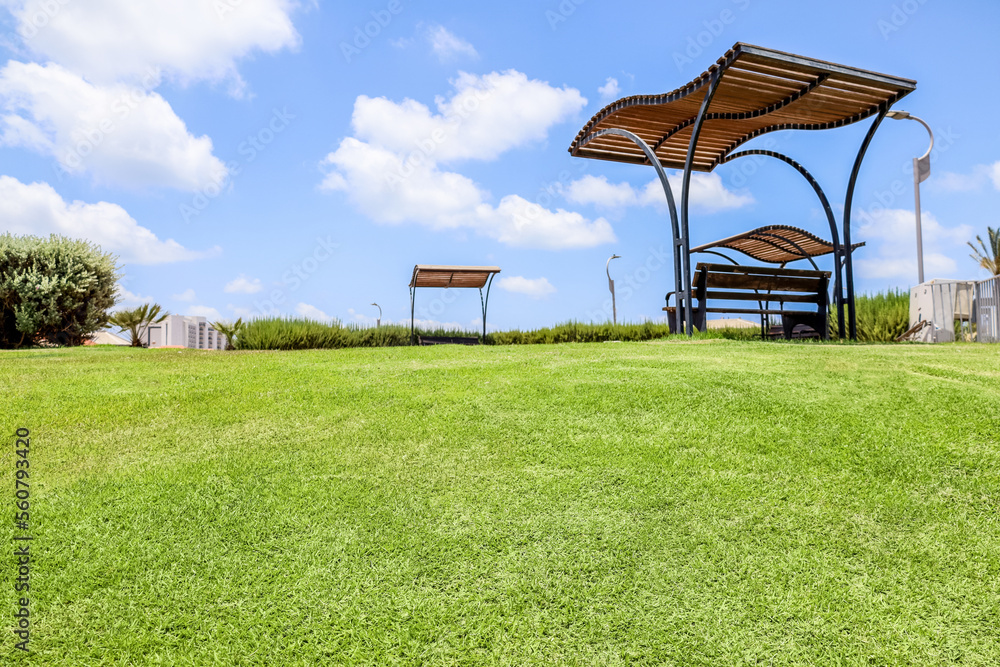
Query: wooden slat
753,79
751,296
760,270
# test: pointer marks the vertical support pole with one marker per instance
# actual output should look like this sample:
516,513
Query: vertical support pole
686,196
413,292
486,302
482,303
852,315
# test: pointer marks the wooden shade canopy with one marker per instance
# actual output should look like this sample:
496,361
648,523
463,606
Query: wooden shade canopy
759,91
775,244
429,275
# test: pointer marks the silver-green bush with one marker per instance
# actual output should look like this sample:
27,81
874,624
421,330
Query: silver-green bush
53,290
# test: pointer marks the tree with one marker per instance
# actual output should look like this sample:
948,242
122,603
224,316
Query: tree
53,290
137,320
230,331
989,258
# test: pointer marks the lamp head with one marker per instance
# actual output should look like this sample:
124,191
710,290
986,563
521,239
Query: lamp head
374,304
898,115
616,256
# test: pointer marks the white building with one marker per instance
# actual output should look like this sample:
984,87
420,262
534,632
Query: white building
179,331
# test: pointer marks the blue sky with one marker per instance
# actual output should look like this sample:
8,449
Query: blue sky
252,157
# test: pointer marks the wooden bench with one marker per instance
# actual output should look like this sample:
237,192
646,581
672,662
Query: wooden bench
766,286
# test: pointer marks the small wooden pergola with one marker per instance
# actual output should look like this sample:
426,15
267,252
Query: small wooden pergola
430,275
774,244
749,92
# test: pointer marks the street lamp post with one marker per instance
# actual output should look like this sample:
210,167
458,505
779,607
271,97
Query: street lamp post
378,322
921,170
611,286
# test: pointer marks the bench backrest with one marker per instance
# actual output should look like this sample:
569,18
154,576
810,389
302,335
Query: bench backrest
752,282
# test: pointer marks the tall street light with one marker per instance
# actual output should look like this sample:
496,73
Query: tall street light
921,170
378,322
611,286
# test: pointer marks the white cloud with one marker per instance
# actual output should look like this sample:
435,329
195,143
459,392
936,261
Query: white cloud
446,200
121,135
447,46
905,268
38,209
433,325
187,40
484,117
127,298
243,285
981,176
949,181
708,193
312,313
610,90
392,183
891,235
596,190
893,225
367,320
209,313
536,288
244,313
187,295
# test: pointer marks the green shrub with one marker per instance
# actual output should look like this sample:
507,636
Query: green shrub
53,290
882,317
301,334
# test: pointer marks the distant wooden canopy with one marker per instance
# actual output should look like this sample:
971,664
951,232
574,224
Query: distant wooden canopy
759,91
749,92
433,275
429,275
775,244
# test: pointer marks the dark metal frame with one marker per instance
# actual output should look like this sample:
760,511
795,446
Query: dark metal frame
678,240
838,290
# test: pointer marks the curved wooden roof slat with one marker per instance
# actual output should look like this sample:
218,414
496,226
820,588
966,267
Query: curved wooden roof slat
759,91
764,244
433,275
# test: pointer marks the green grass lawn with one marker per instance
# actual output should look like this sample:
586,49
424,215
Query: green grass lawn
713,503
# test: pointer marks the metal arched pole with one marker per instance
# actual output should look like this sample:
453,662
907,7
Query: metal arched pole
686,194
838,289
848,203
413,295
671,206
485,302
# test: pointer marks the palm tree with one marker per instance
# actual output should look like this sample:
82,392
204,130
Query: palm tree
989,258
137,320
230,331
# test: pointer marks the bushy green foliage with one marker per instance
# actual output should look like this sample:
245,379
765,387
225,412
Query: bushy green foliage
276,333
290,334
585,332
303,334
882,317
53,290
